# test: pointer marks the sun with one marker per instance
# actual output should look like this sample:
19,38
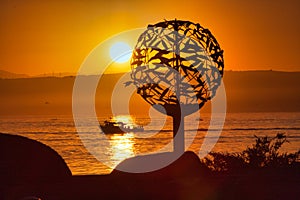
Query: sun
120,52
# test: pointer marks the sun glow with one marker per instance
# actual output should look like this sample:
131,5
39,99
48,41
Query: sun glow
120,52
127,119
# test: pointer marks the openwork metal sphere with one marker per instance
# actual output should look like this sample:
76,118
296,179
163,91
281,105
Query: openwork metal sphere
177,63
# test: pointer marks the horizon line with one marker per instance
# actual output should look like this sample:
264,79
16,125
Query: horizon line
68,74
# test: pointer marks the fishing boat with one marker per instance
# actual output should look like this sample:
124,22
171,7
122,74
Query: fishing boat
110,127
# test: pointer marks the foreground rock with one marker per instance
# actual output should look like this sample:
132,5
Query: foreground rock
26,164
25,160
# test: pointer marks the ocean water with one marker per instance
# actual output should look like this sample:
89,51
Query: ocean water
59,133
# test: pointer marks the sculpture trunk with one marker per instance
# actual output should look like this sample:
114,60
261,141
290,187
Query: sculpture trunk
178,133
178,118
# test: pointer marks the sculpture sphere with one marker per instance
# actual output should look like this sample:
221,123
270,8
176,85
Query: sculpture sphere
177,63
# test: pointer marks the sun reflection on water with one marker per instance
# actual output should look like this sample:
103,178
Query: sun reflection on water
122,147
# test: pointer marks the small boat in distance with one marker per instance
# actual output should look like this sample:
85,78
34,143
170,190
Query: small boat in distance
110,127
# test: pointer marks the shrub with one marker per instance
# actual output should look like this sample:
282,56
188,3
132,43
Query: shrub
223,161
264,153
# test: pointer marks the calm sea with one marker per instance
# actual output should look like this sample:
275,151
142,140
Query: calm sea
59,133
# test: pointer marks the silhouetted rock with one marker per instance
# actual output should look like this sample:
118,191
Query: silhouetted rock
23,160
187,165
185,178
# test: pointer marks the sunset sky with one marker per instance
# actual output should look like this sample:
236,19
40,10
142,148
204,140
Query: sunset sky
39,37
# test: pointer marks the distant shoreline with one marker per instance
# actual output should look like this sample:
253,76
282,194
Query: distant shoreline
246,92
10,75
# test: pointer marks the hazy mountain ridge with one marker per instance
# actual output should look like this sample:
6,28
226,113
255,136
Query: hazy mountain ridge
246,91
9,75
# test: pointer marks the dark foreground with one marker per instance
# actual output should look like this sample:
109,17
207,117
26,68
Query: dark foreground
32,170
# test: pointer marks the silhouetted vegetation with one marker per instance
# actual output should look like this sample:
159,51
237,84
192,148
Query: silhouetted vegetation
263,154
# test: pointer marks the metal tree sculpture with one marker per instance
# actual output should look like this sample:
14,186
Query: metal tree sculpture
177,65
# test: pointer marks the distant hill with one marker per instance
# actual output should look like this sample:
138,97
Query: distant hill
246,91
262,91
60,74
9,75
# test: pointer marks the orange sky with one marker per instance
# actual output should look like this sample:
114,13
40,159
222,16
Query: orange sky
39,37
